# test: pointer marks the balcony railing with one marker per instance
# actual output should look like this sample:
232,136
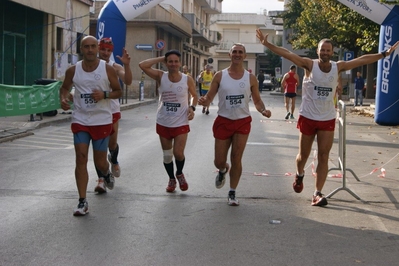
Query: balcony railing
168,15
211,6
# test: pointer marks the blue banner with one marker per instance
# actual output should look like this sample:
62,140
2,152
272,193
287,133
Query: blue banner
113,17
387,85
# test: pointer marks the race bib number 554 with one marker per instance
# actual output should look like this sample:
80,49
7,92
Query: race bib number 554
234,101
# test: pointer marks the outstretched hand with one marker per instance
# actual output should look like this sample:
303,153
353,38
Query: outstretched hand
392,48
262,38
125,58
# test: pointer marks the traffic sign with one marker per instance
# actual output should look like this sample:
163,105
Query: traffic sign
349,55
143,47
160,44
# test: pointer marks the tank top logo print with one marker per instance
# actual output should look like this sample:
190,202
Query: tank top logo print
97,76
242,85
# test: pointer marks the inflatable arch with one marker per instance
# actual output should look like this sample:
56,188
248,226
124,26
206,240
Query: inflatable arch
387,85
113,17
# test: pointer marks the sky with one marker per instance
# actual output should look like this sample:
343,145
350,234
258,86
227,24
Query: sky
250,6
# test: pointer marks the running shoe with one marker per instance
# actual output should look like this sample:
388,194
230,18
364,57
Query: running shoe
171,186
298,183
182,182
232,201
115,168
207,112
100,188
287,116
82,209
319,200
221,178
292,116
203,110
109,181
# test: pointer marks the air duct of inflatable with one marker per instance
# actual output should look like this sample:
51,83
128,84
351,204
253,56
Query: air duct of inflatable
113,17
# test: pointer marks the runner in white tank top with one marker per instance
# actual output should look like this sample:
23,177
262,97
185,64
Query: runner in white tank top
87,111
317,111
173,113
234,86
234,100
124,73
95,83
173,104
318,92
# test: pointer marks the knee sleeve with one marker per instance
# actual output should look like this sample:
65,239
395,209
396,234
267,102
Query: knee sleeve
167,156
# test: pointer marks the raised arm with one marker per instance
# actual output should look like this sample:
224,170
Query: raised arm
153,73
365,59
303,62
124,73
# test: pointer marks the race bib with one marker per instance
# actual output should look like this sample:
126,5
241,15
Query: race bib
171,108
87,101
322,93
234,101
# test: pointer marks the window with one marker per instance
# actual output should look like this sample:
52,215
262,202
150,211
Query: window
79,37
59,39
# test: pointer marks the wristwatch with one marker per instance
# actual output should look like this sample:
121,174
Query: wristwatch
106,94
193,107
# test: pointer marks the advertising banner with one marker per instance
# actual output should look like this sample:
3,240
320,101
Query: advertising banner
387,84
25,100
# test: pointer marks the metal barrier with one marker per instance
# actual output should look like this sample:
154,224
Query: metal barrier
342,152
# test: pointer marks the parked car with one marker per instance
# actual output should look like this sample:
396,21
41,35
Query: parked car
267,83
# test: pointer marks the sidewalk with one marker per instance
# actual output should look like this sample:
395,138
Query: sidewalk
14,127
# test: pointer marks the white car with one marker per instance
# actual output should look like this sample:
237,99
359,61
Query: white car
267,83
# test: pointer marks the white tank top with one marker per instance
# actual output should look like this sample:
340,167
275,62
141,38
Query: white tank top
173,103
115,105
86,111
318,92
234,95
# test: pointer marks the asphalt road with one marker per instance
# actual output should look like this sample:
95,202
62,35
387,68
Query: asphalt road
138,223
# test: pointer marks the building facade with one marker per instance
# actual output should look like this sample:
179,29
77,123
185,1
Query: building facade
40,39
179,24
241,28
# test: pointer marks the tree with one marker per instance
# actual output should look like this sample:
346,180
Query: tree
313,20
